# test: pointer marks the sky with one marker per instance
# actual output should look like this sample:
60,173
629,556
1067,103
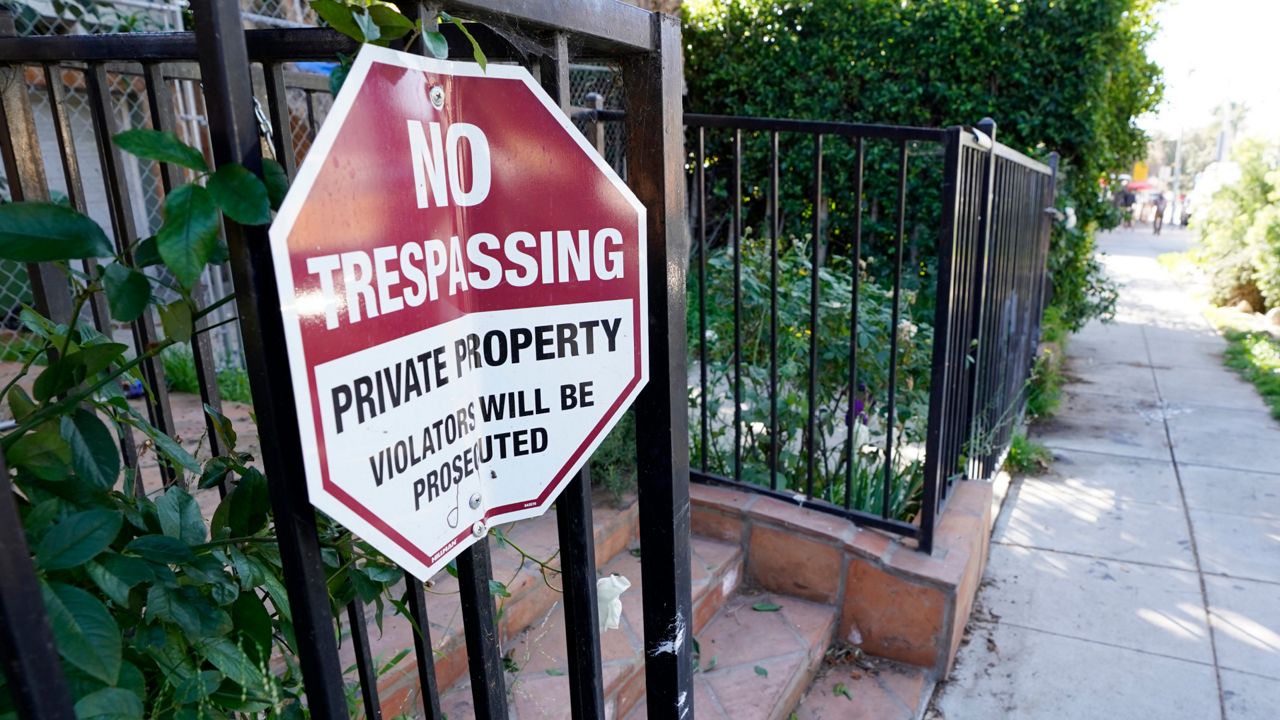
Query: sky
1213,51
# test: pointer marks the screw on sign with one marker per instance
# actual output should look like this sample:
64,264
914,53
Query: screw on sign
462,280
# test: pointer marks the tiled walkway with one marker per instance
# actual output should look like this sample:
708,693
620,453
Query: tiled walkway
1140,577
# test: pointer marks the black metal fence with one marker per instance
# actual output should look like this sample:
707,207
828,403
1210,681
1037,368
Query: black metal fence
798,389
858,348
644,46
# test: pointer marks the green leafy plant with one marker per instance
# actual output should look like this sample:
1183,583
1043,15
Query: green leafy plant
1256,356
868,405
381,23
155,612
1027,456
1069,77
1239,231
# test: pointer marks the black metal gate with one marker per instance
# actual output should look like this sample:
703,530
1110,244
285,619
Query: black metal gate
646,48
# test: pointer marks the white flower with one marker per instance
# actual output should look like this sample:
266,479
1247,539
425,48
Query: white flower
609,600
906,330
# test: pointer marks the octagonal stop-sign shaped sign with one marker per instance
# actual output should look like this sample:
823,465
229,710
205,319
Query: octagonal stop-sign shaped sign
462,281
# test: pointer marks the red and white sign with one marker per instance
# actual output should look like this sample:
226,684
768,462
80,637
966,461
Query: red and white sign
462,280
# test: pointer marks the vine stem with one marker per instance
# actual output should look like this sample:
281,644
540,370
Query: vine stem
40,416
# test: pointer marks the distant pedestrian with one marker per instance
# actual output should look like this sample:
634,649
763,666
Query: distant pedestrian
1157,222
1127,199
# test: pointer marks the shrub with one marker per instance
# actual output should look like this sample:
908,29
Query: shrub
1240,231
1058,76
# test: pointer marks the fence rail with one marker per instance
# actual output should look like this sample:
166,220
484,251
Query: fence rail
988,207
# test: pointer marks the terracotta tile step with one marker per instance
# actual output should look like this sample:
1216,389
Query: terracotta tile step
755,661
866,688
531,598
537,681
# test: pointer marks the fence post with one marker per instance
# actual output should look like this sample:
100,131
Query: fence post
974,410
655,162
936,467
224,71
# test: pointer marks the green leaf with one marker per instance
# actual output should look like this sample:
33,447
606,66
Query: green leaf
177,321
476,52
110,703
180,516
161,146
56,379
253,624
86,636
222,425
766,607
189,236
45,232
146,253
555,672
20,403
276,180
42,453
240,194
186,608
94,455
249,504
436,44
368,28
116,575
840,689
231,660
391,24
96,358
160,549
128,292
338,75
498,589
761,671
198,687
338,16
173,452
78,539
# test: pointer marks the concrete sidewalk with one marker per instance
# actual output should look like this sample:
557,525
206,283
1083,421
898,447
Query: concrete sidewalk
1140,577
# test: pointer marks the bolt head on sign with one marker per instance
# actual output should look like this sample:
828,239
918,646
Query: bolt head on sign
462,282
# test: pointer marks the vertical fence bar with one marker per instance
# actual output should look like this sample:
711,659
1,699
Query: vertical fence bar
935,463
160,103
850,450
102,111
705,428
480,625
364,660
416,599
655,160
574,522
896,318
815,264
224,69
737,304
33,674
974,412
75,193
281,121
773,310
